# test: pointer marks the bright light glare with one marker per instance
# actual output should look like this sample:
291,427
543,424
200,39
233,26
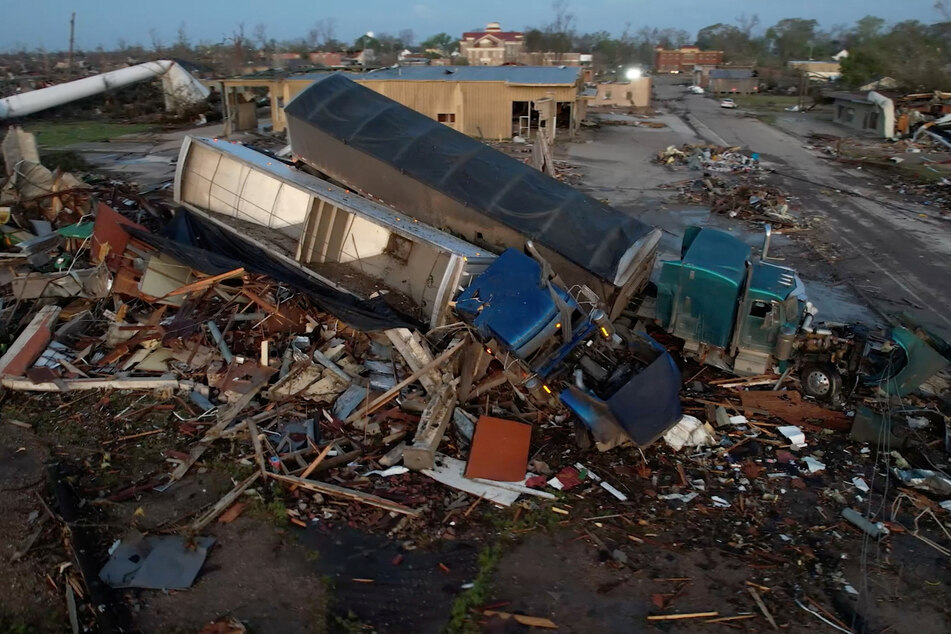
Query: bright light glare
633,73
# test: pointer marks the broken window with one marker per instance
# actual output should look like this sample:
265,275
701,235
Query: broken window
760,309
872,120
446,117
849,115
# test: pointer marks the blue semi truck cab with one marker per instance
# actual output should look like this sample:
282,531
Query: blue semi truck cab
557,342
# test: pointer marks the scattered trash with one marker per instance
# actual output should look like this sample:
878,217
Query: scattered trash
689,432
797,439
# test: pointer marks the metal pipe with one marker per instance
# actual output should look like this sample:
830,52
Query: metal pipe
178,84
769,233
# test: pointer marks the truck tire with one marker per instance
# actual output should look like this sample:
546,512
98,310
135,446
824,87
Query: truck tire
821,381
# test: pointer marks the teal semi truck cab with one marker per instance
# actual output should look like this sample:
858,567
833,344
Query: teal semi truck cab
749,316
733,311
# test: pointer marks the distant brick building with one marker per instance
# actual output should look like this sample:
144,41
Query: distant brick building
492,47
683,59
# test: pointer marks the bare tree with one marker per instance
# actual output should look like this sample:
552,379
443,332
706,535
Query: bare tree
943,7
560,33
748,24
156,40
260,36
323,33
406,37
181,43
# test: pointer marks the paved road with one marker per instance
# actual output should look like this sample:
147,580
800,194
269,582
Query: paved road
899,260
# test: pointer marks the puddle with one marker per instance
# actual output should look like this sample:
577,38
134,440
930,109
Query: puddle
414,595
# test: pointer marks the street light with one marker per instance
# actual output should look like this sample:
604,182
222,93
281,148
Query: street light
633,73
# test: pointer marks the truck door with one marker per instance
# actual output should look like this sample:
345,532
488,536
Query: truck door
759,324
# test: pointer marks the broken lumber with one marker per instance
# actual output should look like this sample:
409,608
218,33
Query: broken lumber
31,343
320,458
410,346
677,617
385,398
351,494
128,383
209,516
523,619
762,607
432,425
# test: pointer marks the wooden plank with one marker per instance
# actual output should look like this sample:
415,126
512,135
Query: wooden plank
351,494
258,450
762,607
523,619
222,504
677,617
204,283
432,425
31,343
24,384
316,463
416,356
390,394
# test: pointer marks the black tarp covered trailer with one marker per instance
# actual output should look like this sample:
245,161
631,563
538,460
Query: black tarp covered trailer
458,184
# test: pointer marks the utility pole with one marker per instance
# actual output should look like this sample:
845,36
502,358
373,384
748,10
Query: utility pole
72,33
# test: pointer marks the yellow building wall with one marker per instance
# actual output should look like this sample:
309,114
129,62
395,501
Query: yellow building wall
482,109
616,93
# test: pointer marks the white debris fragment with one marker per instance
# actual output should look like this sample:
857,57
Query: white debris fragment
814,465
719,502
797,438
860,484
946,505
917,422
738,420
679,496
396,469
610,489
689,432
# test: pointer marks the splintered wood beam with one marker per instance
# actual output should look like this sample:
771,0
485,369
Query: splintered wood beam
391,393
350,494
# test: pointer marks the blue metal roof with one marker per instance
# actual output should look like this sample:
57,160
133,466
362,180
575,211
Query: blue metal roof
545,75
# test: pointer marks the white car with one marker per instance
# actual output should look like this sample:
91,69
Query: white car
728,103
696,90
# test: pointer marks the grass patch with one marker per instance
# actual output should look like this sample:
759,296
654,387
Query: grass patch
273,511
509,527
478,594
64,133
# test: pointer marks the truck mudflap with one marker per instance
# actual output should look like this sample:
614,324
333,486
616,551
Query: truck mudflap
643,408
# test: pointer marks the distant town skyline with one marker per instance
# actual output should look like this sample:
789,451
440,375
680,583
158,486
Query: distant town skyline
44,24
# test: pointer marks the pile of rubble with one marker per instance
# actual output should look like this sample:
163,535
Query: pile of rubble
746,199
228,353
710,158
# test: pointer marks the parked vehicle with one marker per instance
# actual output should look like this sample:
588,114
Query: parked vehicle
728,103
696,90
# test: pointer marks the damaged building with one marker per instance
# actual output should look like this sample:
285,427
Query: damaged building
489,102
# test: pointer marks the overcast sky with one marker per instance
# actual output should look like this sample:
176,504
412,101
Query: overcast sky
45,23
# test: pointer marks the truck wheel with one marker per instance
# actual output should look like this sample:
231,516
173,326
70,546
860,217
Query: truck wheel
821,381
